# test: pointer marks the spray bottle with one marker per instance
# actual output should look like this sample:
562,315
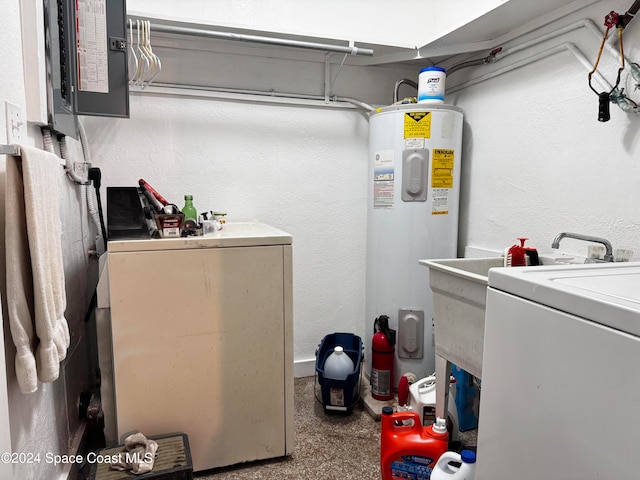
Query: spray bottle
407,449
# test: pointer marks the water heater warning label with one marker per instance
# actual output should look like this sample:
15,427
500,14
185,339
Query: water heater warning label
442,168
383,179
417,125
441,180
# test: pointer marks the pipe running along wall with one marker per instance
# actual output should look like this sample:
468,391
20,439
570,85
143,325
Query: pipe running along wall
589,25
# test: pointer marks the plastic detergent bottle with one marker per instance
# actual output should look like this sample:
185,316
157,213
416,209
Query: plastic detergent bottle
466,471
410,451
338,365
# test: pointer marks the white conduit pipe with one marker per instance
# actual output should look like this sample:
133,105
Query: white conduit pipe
585,23
91,207
198,32
48,140
269,96
68,164
534,58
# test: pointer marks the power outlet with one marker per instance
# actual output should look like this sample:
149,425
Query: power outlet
15,123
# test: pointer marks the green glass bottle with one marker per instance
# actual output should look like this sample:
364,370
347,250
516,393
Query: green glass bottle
189,210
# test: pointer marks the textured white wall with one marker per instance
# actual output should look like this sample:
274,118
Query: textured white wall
301,169
10,88
537,162
47,420
522,152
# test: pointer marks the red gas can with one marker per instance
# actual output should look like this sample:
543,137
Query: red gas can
410,451
382,359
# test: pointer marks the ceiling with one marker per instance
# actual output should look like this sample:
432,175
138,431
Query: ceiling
510,20
504,23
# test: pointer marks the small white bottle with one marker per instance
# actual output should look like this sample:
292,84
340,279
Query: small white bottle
338,365
466,471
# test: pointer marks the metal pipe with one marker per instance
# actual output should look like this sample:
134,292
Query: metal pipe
397,87
202,91
470,63
241,37
584,23
533,58
631,13
608,256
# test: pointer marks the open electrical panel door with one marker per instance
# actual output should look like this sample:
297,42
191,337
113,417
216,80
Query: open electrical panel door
86,54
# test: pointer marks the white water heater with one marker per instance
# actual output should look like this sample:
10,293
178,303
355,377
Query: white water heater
414,186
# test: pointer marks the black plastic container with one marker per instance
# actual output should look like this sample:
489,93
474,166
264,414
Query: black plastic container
339,396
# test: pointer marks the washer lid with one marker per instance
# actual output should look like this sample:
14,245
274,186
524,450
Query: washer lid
606,293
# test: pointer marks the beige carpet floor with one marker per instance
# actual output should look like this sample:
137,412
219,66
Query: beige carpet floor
327,447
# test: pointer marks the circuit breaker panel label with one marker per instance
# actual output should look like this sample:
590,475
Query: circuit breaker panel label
91,37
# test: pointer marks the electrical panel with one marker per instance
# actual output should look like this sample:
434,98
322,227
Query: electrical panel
86,52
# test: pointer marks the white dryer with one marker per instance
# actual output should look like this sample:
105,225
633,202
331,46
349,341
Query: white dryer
560,391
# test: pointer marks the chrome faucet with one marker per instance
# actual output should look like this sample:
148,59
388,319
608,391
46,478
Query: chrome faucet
608,256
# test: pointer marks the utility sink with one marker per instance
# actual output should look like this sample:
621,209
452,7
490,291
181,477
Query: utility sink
459,287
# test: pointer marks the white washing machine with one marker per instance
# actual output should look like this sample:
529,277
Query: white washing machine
560,390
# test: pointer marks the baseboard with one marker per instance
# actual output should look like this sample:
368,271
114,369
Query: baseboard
304,368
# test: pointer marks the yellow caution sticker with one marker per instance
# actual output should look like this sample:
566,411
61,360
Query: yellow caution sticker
417,125
442,163
442,168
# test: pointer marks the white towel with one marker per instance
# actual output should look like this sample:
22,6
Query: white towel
36,296
138,457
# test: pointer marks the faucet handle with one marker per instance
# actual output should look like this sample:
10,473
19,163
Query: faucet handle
622,254
596,251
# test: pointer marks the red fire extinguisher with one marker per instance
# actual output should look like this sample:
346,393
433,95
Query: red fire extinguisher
383,352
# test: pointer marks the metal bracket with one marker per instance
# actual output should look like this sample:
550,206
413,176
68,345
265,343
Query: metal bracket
327,77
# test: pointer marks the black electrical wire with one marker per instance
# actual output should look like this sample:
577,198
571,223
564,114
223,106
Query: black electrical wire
604,98
96,176
631,13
